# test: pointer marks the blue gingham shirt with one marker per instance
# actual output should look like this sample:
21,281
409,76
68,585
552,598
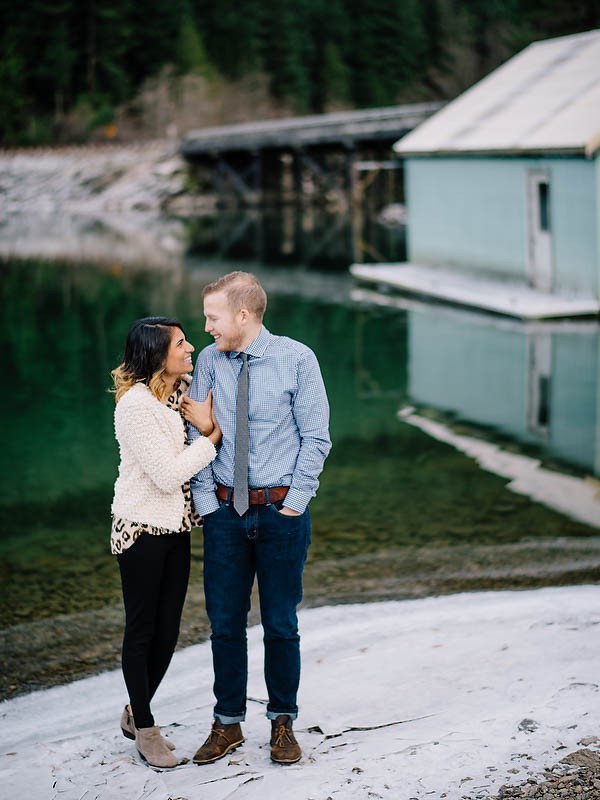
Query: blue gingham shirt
288,413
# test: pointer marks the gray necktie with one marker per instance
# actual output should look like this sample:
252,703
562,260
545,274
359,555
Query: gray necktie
240,467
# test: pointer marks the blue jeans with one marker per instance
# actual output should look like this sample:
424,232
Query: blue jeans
266,543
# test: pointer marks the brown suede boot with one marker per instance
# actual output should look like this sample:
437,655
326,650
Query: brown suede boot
221,740
153,748
284,747
128,727
127,723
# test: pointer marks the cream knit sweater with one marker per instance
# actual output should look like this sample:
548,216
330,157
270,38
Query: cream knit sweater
154,460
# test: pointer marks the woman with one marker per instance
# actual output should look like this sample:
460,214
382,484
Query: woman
153,513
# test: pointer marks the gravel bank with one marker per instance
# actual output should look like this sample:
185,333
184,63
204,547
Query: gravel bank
575,777
115,204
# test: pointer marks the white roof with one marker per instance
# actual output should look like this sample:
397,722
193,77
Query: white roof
545,99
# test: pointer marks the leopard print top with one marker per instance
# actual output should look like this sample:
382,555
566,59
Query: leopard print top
124,532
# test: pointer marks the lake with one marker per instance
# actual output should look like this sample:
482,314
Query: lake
400,513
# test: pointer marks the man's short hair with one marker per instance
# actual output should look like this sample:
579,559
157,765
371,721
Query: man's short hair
242,290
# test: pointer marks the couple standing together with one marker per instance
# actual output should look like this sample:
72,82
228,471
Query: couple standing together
257,438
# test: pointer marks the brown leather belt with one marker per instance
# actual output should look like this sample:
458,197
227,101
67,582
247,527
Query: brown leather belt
256,497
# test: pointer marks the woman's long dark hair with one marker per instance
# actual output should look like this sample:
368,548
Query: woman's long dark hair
146,349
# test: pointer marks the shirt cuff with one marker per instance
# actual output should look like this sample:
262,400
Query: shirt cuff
297,500
205,502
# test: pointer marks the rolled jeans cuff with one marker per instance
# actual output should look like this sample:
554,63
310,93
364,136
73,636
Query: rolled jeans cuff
274,714
225,720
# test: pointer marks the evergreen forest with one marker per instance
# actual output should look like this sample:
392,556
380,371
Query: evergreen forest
61,55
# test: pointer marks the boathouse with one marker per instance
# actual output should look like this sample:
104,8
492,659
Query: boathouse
503,184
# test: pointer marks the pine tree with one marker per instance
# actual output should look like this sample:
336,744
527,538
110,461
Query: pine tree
56,65
330,33
390,46
13,100
191,54
287,51
232,32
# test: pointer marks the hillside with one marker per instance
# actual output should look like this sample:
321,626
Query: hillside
122,70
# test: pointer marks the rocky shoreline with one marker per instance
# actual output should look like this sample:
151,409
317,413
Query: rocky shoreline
575,777
134,178
111,203
50,652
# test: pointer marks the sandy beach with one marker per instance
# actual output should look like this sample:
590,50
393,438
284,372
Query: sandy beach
442,697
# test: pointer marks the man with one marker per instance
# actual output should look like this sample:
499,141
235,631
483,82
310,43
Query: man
279,408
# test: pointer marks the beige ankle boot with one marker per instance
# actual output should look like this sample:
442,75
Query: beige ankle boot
153,748
128,727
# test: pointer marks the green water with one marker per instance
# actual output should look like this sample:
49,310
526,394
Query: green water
386,484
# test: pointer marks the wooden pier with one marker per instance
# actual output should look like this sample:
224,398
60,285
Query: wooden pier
319,158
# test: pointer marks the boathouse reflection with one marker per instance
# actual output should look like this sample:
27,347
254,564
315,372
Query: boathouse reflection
536,382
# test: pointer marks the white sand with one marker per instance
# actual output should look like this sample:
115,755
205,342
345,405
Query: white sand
398,700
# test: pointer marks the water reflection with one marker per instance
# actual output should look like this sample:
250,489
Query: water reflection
536,383
310,236
532,383
102,238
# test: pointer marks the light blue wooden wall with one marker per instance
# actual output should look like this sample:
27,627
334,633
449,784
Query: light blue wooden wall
575,224
597,204
472,213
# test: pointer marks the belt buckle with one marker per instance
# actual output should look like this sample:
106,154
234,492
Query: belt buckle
257,497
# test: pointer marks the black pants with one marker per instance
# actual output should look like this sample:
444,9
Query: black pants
154,576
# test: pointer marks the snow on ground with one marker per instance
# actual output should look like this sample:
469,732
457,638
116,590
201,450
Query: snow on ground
501,296
442,697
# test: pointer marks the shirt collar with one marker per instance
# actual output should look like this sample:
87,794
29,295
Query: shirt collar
258,347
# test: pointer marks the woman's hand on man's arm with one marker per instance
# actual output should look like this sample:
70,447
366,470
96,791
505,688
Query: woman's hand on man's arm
199,413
